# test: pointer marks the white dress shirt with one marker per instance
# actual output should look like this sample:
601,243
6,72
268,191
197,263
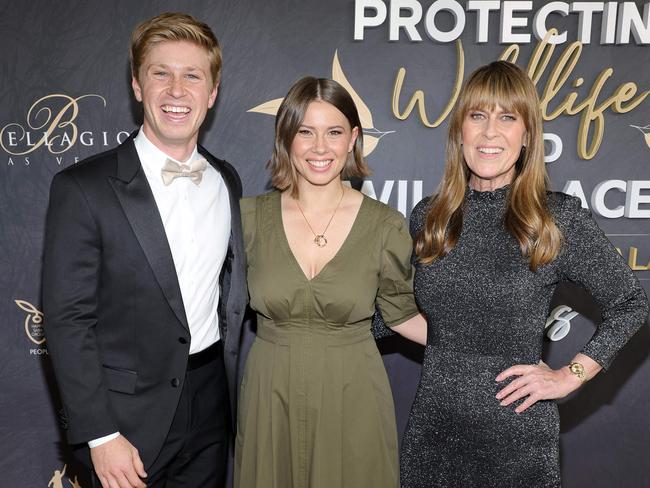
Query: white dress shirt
197,224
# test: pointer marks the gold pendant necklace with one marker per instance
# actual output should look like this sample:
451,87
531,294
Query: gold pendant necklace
319,239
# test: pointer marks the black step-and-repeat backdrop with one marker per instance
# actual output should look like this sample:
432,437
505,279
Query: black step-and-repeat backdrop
65,94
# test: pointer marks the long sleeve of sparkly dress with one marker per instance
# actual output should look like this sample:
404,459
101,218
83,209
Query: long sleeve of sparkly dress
589,259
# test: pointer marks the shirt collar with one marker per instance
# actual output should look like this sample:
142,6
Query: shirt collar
152,158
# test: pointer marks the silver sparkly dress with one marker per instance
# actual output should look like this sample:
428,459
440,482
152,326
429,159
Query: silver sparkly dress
486,311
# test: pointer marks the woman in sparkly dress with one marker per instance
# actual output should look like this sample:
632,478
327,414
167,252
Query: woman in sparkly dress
492,245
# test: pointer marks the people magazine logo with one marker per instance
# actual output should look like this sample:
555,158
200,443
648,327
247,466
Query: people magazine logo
54,125
33,325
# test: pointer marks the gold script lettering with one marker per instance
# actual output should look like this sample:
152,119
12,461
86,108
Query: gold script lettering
55,127
418,96
632,261
592,115
591,126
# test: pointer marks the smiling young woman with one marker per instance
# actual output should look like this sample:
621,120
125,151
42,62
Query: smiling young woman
316,408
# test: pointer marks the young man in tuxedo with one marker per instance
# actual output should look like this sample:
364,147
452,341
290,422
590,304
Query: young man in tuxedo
143,278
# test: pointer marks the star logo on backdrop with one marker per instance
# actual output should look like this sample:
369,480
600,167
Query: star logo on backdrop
645,131
371,135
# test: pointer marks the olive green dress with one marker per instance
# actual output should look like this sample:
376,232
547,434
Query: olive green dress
316,410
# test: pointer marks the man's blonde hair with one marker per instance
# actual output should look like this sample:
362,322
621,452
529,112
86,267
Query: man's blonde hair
174,26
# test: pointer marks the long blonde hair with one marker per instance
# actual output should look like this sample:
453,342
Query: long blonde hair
527,216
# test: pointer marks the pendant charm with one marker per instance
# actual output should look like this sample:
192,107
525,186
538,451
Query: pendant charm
320,240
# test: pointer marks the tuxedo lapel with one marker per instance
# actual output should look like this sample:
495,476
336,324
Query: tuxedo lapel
134,194
228,178
231,184
235,246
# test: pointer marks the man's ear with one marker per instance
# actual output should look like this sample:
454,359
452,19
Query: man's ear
137,91
213,96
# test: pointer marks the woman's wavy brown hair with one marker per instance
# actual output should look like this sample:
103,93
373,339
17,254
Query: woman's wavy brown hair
527,216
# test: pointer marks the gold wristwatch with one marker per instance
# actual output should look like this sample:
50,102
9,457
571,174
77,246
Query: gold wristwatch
578,370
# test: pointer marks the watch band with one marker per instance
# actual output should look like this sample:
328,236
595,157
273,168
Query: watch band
579,370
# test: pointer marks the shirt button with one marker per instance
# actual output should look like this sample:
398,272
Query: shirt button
175,382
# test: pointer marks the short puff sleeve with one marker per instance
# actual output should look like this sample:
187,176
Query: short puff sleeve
395,298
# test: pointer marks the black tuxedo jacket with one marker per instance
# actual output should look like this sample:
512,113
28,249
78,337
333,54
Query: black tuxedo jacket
116,328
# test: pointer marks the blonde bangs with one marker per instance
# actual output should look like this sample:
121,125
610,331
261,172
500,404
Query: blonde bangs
491,90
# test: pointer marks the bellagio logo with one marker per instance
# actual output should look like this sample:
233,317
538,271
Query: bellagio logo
33,327
558,323
59,476
53,126
371,135
50,123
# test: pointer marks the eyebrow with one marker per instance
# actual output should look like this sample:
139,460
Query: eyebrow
331,127
166,66
501,111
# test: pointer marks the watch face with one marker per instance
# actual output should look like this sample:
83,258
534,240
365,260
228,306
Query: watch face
577,369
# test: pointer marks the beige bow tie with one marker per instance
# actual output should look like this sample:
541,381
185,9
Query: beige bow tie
172,170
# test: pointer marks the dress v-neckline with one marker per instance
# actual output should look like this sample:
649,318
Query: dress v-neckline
287,247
